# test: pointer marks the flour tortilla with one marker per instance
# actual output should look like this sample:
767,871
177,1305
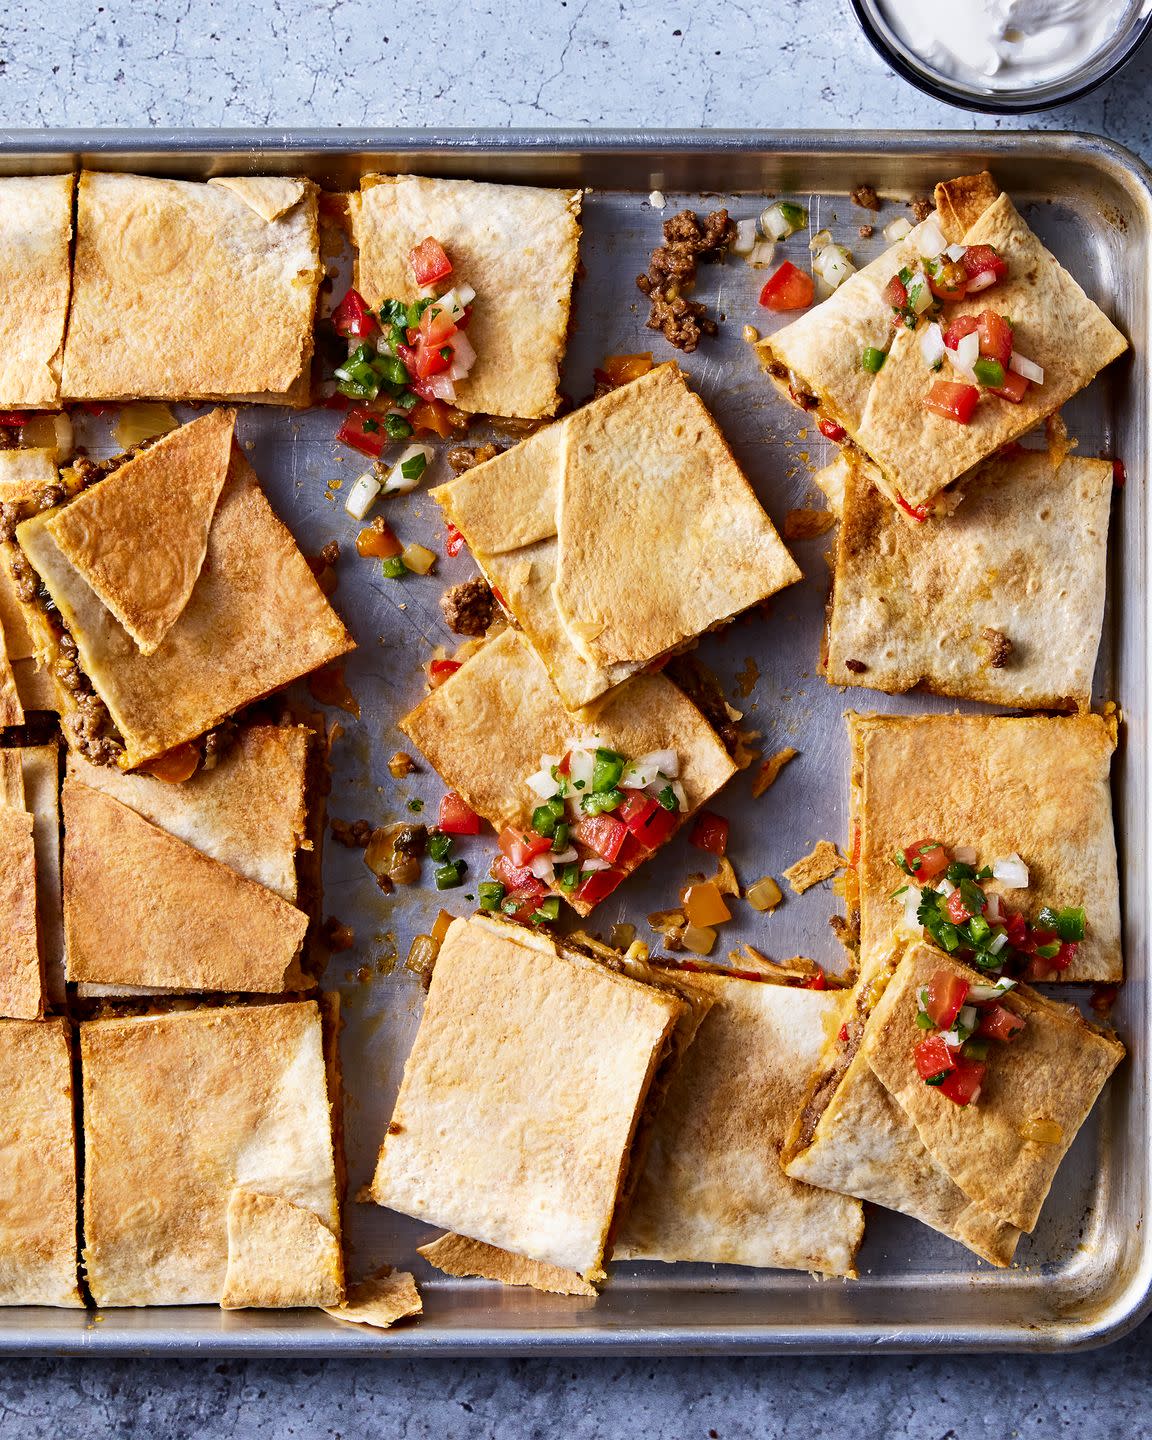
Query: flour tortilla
280,1255
185,291
23,476
457,1255
712,1189
35,281
1034,786
521,1095
516,245
1024,558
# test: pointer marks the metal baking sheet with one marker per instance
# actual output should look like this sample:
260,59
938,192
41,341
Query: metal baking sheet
1084,1276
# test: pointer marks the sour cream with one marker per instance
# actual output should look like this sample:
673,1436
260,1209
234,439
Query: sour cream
1008,44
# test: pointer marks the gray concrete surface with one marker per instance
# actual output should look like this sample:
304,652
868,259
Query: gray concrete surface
527,62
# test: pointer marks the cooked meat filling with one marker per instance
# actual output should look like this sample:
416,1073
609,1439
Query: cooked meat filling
999,647
865,196
355,834
467,457
470,607
688,240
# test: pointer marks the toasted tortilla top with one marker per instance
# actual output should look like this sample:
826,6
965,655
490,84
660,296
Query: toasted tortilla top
38,1261
180,1111
185,291
561,522
143,908
712,1188
1052,1071
1022,561
21,975
516,245
35,280
486,727
521,1094
280,1255
1034,786
256,619
249,811
23,476
139,537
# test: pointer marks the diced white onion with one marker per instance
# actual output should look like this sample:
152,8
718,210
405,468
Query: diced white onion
580,769
543,784
981,282
397,482
745,241
565,857
911,905
967,1017
992,911
449,302
833,265
1028,368
362,496
1011,872
997,944
774,224
932,344
465,294
968,350
762,255
980,993
952,1038
442,388
930,239
897,229
541,866
922,999
956,252
964,855
462,351
944,886
919,292
681,798
656,199
819,240
589,865
644,771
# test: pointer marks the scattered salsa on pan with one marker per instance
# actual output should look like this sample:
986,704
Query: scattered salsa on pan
947,898
962,1020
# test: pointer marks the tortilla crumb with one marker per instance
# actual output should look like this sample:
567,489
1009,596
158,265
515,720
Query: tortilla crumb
807,524
749,958
822,864
770,769
457,1255
380,1300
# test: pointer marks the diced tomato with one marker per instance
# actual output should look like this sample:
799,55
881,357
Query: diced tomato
997,1022
565,765
710,833
647,820
933,1057
961,326
925,860
429,262
436,326
819,981
602,834
788,289
456,818
962,1085
1067,954
831,431
352,318
422,362
959,911
1015,387
1037,938
980,260
10,419
995,337
515,877
362,431
598,886
631,853
439,671
462,323
454,543
917,512
1119,473
521,846
896,293
952,400
96,407
950,282
1015,926
525,900
430,418
945,997
842,1034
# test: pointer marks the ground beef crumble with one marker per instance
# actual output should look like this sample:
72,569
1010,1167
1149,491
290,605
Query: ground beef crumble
922,207
467,457
865,196
688,240
355,834
999,647
470,607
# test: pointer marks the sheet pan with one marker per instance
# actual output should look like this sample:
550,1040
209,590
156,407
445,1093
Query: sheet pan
1083,1278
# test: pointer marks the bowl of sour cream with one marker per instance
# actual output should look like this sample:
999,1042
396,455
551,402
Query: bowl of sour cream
1005,55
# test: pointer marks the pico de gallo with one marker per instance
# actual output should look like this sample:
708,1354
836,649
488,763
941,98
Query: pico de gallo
410,354
598,813
962,1020
946,898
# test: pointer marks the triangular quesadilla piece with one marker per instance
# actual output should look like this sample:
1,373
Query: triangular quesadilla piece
140,536
270,196
1032,786
712,1189
38,1260
23,476
21,973
1028,638
280,1255
661,536
457,1255
142,908
1043,1083
35,282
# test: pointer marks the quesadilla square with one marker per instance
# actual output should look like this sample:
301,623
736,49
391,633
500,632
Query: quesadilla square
31,940
143,855
215,624
38,1260
712,1189
496,730
514,245
1003,604
210,1174
523,1094
189,291
24,475
35,281
957,340
903,1113
1014,811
